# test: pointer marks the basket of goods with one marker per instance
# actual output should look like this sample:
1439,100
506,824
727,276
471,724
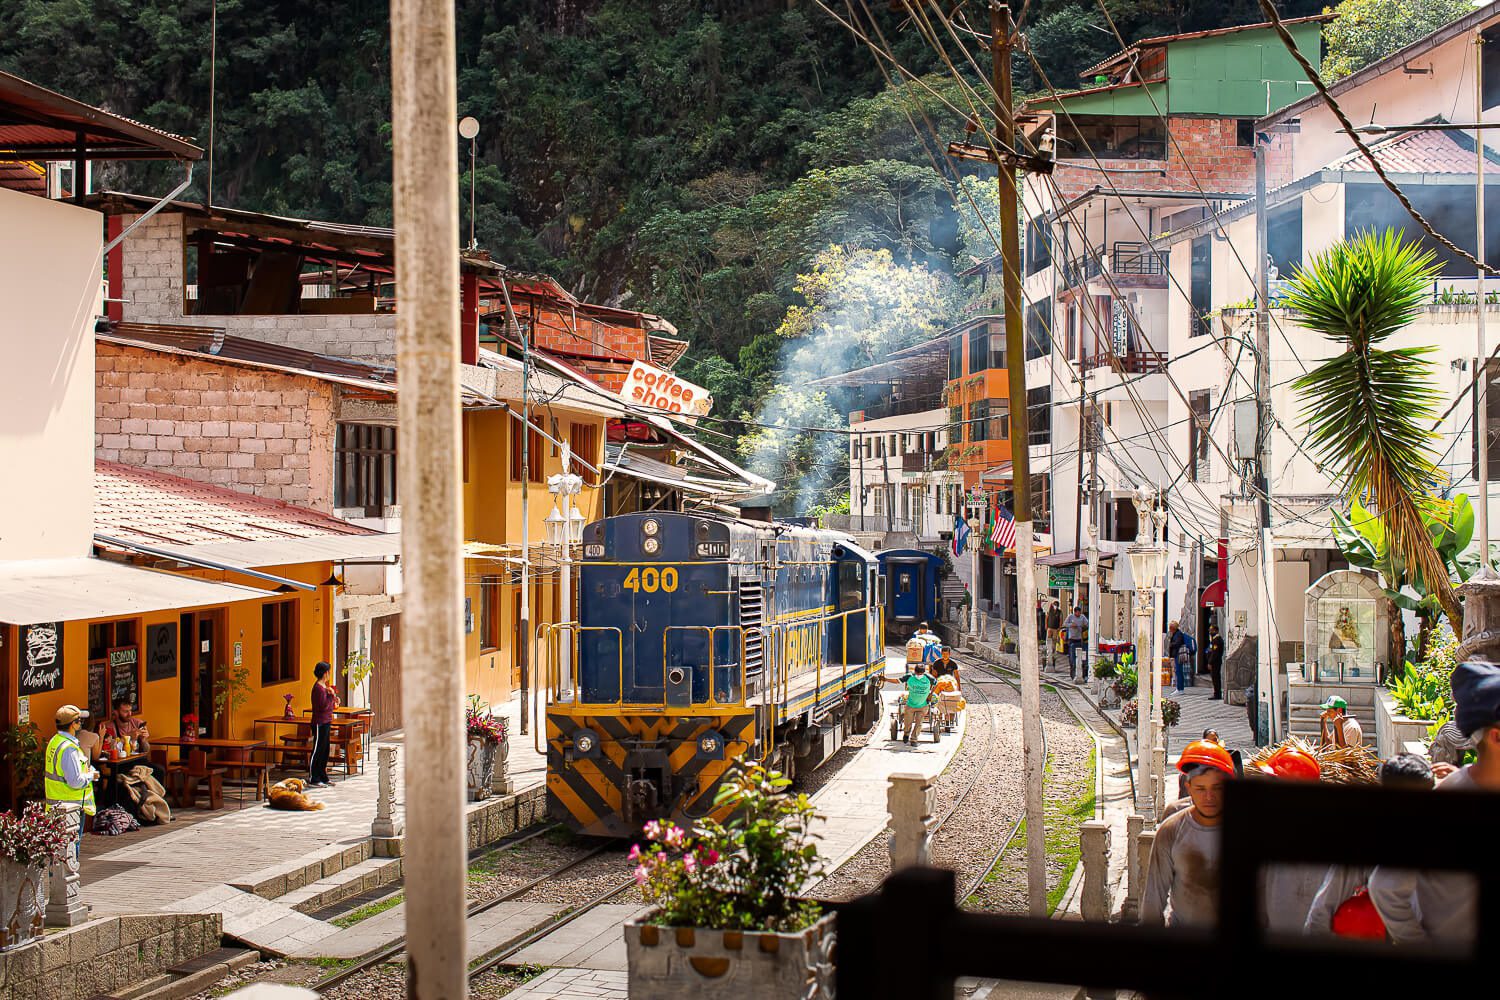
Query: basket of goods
1354,765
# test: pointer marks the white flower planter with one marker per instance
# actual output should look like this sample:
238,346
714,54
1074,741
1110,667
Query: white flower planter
1394,730
684,963
23,903
480,768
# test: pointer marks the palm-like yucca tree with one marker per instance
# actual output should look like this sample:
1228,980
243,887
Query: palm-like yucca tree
1370,411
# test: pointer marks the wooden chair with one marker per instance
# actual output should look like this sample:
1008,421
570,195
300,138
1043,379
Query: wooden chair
172,769
297,748
194,775
245,772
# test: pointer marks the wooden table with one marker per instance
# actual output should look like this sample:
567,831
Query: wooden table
343,732
234,755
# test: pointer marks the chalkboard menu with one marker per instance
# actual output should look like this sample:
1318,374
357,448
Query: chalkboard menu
124,678
161,652
41,660
98,689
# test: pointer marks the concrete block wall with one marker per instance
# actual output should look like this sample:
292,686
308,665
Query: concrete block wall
152,270
105,955
257,432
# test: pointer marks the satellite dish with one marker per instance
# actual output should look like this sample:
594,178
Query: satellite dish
468,127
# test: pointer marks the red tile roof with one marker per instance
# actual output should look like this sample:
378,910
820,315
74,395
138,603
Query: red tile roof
1447,152
151,508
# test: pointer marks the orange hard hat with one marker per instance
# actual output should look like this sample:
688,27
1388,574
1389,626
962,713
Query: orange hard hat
1207,753
1293,763
1357,917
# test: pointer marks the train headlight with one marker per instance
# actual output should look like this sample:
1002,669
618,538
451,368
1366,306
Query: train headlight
710,745
585,743
651,546
650,527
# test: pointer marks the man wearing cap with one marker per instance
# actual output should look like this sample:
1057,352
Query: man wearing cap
68,776
1340,729
1184,867
1443,907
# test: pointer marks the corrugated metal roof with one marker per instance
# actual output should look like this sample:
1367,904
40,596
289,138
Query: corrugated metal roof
37,123
291,551
51,590
630,463
665,352
214,341
1187,36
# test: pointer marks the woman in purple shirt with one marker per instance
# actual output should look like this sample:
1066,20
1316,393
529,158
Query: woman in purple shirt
324,701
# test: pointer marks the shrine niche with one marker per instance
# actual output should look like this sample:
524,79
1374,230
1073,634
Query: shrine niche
1346,630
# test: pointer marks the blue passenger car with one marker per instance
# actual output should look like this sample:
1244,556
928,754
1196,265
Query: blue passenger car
913,588
701,640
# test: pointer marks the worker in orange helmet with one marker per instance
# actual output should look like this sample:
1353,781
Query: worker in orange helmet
1288,890
1184,867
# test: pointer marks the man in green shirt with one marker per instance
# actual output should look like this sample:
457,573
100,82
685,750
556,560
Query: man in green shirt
918,694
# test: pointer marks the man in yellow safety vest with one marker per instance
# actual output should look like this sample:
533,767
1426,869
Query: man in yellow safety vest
69,777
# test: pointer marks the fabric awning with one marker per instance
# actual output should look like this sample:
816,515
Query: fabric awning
1214,595
56,590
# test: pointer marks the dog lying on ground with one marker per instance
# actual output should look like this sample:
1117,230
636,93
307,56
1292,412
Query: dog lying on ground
290,794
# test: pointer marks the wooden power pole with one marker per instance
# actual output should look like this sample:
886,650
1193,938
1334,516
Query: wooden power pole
1001,40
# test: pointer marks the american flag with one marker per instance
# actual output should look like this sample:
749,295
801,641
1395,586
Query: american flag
1003,533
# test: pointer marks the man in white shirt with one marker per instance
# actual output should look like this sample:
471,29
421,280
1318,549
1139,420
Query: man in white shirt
1184,866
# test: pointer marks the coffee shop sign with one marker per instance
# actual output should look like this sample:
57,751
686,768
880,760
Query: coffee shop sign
647,385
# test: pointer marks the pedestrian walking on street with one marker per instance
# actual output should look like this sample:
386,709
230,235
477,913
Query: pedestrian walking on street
1054,629
1180,647
1184,866
324,701
1215,654
1075,625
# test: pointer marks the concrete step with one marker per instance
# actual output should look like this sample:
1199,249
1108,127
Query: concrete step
193,976
367,875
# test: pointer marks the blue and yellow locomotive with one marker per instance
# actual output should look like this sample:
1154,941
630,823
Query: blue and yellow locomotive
701,640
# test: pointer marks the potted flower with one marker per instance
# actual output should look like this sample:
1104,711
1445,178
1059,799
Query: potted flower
725,898
190,728
486,733
30,843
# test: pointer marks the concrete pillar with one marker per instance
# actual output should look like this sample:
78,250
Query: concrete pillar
910,799
1481,638
1159,776
387,828
1094,836
1135,881
424,113
65,906
500,782
1143,845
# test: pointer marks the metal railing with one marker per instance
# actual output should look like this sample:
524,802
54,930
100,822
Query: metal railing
1235,958
1136,258
1129,363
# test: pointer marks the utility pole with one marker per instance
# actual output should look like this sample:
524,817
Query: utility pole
1482,379
1266,641
1001,42
424,105
1094,588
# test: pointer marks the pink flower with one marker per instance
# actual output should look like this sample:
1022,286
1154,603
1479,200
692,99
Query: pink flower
689,864
640,875
635,852
710,857
674,836
652,830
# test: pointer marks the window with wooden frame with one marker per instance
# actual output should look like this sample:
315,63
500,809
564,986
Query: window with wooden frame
534,463
278,642
489,613
365,467
114,666
585,439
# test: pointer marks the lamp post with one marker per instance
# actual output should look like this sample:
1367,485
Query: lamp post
565,529
1159,600
1146,562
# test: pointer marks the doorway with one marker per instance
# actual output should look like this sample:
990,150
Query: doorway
201,637
385,677
341,660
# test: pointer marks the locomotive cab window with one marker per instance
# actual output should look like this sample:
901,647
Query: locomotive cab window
851,585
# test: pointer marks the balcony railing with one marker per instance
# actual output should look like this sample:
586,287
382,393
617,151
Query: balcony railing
1129,363
867,522
902,407
1135,258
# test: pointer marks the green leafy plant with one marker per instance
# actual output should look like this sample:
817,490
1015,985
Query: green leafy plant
26,756
1104,669
358,667
1126,681
1370,410
1424,691
1171,712
739,875
231,691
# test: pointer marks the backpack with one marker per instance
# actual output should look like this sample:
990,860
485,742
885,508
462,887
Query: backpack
1189,644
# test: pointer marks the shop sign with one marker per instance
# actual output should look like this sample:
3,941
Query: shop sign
41,666
161,651
1062,577
650,386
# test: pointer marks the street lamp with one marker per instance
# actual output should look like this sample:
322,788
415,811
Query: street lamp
1147,562
565,529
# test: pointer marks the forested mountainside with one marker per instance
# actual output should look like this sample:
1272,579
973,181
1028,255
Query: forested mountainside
739,166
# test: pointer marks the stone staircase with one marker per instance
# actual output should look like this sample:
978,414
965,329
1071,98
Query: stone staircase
1306,697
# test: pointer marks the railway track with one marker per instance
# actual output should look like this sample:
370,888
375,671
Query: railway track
508,948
